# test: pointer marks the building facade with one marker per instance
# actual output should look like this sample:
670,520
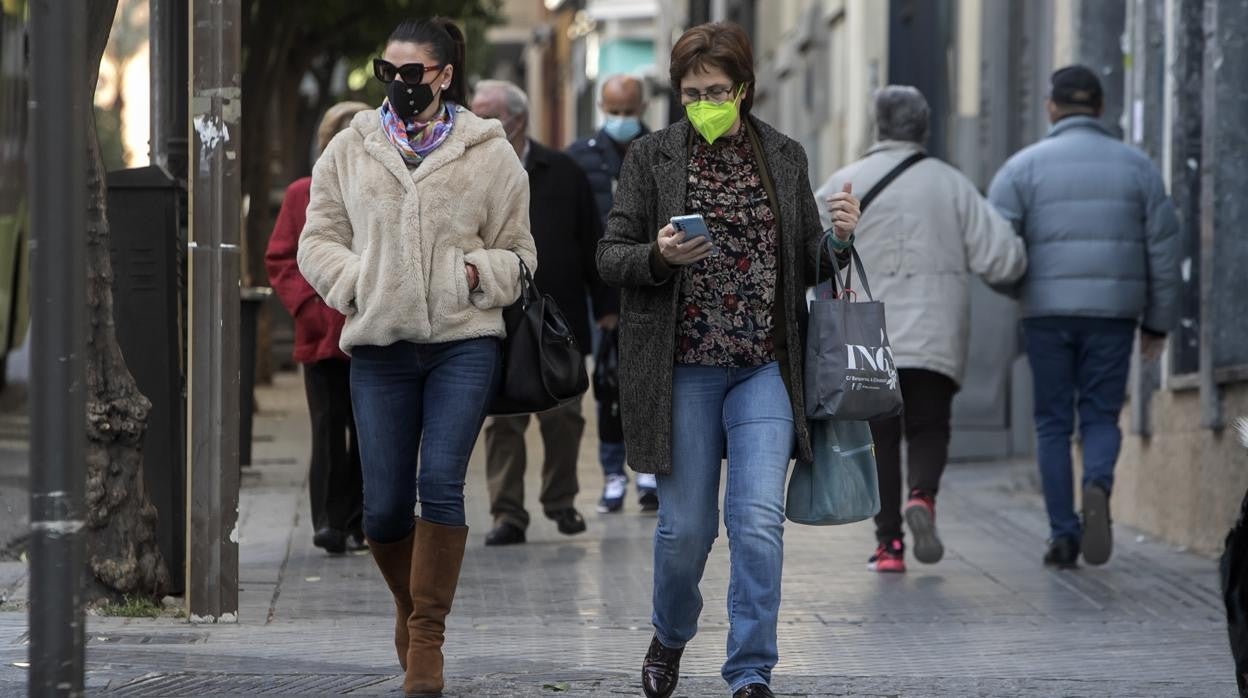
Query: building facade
561,51
1176,80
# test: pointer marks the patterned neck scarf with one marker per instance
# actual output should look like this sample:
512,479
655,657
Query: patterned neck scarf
415,139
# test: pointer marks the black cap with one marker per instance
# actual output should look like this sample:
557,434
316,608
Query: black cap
1076,86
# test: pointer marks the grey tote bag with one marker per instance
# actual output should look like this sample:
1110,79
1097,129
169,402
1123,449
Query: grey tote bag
850,372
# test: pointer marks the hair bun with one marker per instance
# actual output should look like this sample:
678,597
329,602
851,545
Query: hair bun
452,29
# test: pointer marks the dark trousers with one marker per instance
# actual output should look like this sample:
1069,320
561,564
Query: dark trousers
419,408
335,483
506,461
1077,363
924,422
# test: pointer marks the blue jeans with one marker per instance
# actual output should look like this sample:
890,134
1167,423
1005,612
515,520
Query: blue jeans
1077,363
745,412
612,457
407,391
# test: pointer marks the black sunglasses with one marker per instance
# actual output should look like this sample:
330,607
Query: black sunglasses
411,73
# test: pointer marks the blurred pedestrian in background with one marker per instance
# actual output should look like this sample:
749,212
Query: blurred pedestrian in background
601,156
922,236
566,228
1103,248
335,485
710,346
417,223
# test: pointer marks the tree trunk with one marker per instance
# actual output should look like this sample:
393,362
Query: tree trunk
264,68
122,552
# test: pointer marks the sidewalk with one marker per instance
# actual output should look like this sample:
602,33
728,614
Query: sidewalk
569,616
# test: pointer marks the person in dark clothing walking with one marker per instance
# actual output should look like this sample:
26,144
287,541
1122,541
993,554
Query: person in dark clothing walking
602,156
335,483
710,347
566,227
1103,252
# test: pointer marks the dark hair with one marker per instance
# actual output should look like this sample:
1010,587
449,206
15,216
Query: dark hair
722,45
1076,86
446,42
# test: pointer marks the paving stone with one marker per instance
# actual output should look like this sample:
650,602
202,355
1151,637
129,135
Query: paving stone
573,613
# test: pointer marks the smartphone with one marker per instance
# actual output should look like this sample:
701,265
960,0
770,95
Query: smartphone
692,226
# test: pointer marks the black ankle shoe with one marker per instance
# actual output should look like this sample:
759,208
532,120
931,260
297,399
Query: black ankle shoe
1098,533
505,534
754,690
661,670
331,540
1063,554
569,520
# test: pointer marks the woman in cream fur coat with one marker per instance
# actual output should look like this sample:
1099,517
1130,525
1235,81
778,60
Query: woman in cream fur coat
417,221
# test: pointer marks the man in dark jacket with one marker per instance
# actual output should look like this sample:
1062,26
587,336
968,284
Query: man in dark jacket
566,227
1103,253
601,156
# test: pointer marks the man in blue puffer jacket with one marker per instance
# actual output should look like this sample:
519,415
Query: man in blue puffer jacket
1104,249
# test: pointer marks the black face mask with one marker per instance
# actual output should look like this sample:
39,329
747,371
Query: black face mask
408,100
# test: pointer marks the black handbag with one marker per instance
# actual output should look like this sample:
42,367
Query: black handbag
607,387
543,367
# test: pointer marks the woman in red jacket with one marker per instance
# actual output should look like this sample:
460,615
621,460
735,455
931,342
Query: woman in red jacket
335,482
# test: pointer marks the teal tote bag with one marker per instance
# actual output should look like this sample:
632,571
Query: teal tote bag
841,485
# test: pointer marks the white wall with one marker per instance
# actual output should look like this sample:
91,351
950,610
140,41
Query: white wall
819,61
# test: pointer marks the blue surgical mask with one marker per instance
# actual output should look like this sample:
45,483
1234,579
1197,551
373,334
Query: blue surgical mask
622,129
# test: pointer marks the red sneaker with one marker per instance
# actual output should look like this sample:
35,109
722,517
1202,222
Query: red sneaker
920,513
890,557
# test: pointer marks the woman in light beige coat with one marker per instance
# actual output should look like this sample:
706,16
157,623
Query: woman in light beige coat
417,223
921,239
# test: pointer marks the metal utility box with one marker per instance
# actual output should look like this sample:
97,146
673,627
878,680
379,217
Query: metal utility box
146,213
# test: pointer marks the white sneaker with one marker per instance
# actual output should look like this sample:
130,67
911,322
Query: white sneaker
648,491
613,494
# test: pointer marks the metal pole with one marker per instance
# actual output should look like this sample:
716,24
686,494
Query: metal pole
58,194
160,48
1143,99
1210,395
168,84
1099,45
213,386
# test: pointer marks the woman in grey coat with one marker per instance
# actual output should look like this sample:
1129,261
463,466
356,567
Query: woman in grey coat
711,345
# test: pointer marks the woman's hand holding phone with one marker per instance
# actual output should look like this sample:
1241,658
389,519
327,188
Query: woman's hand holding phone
679,251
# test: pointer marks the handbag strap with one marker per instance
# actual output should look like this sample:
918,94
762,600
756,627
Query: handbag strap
888,179
839,285
862,274
856,261
528,291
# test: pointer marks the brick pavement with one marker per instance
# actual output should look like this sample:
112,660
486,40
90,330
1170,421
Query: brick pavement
569,616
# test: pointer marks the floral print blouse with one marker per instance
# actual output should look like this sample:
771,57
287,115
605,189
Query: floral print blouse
726,300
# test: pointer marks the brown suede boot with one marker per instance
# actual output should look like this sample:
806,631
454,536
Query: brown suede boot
395,562
436,559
